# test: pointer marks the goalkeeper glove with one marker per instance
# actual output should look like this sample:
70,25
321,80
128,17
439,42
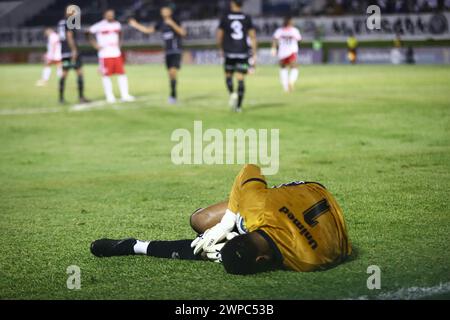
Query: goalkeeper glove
212,253
216,233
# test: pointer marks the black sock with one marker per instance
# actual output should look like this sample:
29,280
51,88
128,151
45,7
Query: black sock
173,88
229,81
241,91
62,84
177,249
80,83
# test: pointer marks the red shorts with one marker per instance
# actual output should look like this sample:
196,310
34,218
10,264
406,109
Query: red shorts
288,60
110,66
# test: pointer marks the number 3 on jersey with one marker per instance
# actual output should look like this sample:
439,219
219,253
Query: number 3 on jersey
236,26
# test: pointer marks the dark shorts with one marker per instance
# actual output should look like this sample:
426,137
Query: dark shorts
236,65
173,61
67,63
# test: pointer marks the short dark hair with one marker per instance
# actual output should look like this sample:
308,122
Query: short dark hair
239,255
239,3
286,19
168,4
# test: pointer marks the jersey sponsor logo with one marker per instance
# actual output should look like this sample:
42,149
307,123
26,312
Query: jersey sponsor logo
236,16
168,35
109,31
237,56
303,230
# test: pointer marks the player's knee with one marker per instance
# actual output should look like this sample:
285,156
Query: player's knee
196,221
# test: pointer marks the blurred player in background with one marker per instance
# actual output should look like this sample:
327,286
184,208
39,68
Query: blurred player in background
234,29
107,41
286,40
52,57
172,32
352,48
71,58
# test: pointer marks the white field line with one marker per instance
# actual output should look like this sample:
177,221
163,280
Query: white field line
95,105
412,293
103,105
12,112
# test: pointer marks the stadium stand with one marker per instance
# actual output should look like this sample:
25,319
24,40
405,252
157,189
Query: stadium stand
205,9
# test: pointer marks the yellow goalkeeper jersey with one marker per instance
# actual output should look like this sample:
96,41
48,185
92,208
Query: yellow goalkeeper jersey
301,220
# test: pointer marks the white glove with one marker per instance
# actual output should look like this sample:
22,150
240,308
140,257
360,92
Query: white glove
209,238
216,233
212,253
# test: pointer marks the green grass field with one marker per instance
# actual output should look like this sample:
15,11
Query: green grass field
377,136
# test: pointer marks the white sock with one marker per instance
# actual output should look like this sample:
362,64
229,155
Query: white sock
123,85
141,247
46,73
293,76
107,86
284,77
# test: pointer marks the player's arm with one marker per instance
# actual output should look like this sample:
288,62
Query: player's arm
249,177
219,39
72,45
299,36
93,41
252,35
140,27
176,27
253,42
273,50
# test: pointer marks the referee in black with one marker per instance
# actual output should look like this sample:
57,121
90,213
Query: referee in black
172,32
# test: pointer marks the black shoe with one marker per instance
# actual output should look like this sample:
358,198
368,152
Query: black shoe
110,247
62,102
84,100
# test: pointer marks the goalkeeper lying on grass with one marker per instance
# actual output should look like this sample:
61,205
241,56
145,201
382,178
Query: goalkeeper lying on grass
297,226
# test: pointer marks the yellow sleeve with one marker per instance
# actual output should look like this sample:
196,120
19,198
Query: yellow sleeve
249,178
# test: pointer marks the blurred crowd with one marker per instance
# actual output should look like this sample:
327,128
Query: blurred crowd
342,7
148,10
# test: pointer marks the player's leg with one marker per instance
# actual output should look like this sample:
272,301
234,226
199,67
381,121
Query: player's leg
172,72
293,75
59,69
205,218
80,80
229,81
284,76
173,64
46,73
62,80
240,76
108,89
122,79
106,71
175,249
201,220
229,66
241,68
